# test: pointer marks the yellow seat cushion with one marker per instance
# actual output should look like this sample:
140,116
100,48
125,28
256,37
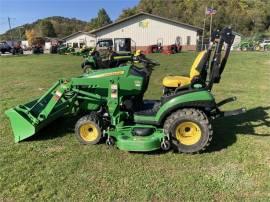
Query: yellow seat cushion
175,81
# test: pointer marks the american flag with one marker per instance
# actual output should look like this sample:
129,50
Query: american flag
210,11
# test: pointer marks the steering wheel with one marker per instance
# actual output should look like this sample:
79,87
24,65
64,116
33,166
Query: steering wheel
147,61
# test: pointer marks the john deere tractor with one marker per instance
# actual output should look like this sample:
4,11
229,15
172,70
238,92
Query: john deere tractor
109,53
112,107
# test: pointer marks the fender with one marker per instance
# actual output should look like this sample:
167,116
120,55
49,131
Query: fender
200,99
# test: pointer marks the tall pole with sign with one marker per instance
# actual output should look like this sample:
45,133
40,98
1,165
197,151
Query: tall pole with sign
205,12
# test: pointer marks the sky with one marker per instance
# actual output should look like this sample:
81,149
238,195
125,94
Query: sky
28,11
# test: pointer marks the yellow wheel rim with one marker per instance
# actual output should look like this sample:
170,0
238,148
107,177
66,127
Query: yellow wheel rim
88,132
188,133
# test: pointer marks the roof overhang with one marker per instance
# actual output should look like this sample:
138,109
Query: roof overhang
77,33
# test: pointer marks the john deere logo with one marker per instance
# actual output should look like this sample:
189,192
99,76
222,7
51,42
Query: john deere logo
137,83
144,24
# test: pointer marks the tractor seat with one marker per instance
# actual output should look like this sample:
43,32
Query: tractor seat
196,68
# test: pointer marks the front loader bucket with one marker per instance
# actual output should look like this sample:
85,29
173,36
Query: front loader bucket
28,119
21,127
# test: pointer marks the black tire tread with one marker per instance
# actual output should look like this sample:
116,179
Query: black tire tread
93,117
192,114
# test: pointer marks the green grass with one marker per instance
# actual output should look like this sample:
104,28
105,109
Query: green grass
54,166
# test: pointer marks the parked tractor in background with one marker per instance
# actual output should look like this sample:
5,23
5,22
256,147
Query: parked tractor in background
158,47
84,51
168,49
249,45
173,49
265,44
108,53
38,45
65,49
254,44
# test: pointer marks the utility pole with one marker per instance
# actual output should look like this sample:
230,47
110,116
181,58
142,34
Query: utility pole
9,24
20,34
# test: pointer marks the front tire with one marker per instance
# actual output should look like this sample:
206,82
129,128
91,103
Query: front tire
88,130
189,129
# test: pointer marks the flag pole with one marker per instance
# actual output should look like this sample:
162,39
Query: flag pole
210,31
211,20
202,48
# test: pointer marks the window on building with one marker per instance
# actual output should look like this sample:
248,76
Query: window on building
188,40
75,45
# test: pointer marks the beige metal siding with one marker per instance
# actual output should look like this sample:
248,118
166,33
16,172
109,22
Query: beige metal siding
90,41
146,30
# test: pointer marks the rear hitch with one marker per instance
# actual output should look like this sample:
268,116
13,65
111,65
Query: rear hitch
233,112
218,113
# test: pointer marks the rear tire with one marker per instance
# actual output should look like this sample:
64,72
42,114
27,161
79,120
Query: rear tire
189,129
88,130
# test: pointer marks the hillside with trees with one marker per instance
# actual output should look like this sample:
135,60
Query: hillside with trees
55,26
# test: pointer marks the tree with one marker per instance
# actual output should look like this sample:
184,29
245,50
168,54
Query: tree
31,35
128,12
102,19
46,29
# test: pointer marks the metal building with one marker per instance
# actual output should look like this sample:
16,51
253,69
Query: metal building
147,29
80,39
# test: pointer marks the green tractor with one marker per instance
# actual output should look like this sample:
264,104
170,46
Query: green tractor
249,44
109,53
84,51
65,50
112,108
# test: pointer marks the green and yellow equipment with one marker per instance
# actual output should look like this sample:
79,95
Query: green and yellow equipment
112,106
95,62
109,53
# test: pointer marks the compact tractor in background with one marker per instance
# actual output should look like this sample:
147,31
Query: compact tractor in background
158,47
110,53
112,109
169,49
64,49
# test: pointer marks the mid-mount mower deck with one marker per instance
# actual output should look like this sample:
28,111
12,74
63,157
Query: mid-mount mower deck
112,106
